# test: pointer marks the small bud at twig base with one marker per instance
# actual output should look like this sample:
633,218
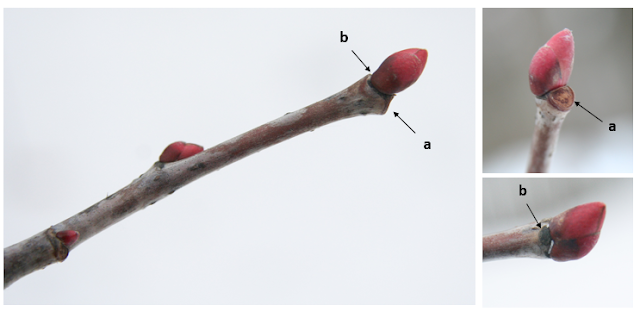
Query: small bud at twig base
68,237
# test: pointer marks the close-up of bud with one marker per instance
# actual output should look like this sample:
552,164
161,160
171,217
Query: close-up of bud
399,71
576,231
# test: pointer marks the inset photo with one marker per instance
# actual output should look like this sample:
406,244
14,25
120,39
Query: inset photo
557,242
557,90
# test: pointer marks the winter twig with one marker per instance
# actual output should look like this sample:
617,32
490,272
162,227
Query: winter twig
183,163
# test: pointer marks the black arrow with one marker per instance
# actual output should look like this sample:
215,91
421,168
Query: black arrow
396,114
578,104
534,217
365,66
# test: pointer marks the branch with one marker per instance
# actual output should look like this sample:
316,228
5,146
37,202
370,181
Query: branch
181,164
549,73
567,236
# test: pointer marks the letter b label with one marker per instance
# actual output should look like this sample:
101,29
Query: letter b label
343,37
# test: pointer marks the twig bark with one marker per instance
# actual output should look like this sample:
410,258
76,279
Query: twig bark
567,236
523,241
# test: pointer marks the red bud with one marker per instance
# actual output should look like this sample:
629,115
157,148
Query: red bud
576,231
68,237
190,150
399,71
552,64
172,152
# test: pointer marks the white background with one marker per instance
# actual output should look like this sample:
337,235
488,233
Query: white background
353,213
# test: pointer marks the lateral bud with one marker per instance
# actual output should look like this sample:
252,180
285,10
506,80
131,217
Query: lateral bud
68,237
179,150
